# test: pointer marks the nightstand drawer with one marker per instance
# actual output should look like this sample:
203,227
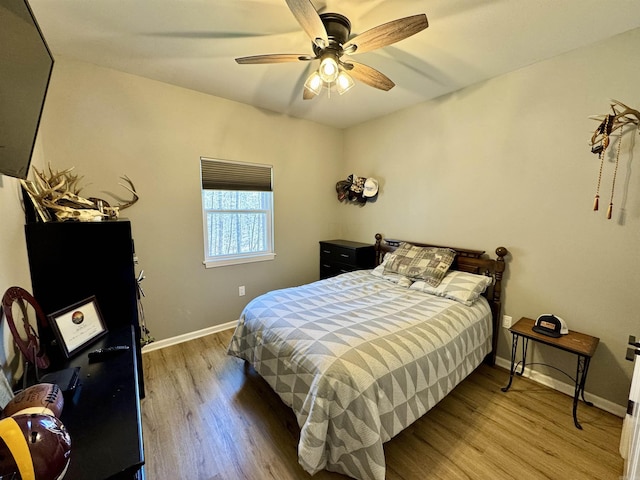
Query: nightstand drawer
341,256
336,253
331,269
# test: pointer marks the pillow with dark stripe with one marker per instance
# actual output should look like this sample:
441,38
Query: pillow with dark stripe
420,263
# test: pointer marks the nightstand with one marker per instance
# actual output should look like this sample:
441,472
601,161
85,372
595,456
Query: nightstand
341,256
580,344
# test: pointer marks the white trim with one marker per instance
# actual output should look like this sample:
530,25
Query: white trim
239,259
167,342
606,405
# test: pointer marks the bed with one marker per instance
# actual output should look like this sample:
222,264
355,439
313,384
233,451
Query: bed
361,356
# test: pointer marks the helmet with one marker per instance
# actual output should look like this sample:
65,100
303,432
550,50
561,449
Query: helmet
38,447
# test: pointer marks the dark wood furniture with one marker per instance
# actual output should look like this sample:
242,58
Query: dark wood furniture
341,256
466,260
103,415
580,344
71,261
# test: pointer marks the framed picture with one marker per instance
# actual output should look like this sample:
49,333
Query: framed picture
78,326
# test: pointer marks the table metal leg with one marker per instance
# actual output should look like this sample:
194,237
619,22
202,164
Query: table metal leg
514,349
525,348
583,380
581,377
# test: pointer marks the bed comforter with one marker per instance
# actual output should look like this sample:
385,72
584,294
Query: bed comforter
358,359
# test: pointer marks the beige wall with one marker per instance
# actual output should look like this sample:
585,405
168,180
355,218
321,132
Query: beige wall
14,266
107,124
507,162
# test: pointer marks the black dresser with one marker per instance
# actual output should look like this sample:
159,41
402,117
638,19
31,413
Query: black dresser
71,261
341,256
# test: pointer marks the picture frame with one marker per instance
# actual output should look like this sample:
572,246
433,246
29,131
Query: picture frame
78,326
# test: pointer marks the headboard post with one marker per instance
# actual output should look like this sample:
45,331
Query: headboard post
378,250
496,301
501,252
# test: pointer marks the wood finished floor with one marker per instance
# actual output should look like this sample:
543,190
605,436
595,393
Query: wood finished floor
206,418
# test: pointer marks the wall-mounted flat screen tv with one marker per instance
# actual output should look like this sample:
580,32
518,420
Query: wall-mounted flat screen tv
25,69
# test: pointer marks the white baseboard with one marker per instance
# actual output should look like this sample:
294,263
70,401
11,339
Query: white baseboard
167,342
606,405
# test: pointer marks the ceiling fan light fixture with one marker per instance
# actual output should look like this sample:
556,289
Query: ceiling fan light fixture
331,38
314,83
329,68
344,82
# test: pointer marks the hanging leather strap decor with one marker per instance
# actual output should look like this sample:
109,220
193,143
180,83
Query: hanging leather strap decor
620,117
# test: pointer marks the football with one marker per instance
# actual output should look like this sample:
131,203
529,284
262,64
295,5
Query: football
34,446
42,399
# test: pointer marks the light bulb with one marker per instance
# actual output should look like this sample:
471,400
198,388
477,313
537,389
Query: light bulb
329,68
314,83
344,82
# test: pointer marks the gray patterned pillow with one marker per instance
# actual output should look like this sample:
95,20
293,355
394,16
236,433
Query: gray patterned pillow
420,263
399,280
460,286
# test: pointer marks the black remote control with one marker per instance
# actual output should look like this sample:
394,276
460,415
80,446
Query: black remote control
104,353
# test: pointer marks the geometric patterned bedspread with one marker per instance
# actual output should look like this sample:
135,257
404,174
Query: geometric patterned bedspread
358,359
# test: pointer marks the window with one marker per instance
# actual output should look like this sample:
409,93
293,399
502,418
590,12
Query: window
237,209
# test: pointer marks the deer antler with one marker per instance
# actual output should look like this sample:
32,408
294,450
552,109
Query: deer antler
131,188
59,192
621,116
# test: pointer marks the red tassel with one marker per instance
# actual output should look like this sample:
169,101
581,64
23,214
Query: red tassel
595,203
609,210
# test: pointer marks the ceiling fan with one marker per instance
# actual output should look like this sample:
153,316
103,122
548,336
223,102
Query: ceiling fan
329,33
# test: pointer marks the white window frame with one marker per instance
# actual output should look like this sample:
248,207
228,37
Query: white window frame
242,258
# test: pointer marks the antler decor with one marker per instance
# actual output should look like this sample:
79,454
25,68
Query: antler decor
59,192
620,117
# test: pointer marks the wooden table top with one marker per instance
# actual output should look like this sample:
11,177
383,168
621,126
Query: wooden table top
574,342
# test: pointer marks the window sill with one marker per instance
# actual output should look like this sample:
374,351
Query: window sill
239,260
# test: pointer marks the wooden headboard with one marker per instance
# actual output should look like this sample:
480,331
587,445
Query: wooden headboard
466,260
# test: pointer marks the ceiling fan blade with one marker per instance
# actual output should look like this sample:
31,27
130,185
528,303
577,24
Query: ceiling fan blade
274,58
307,95
309,20
386,34
208,34
370,76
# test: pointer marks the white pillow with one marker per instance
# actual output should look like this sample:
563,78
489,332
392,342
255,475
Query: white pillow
460,286
396,278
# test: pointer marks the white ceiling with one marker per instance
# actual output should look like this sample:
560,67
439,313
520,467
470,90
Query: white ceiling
193,43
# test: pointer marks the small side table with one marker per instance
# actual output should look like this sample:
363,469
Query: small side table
580,344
